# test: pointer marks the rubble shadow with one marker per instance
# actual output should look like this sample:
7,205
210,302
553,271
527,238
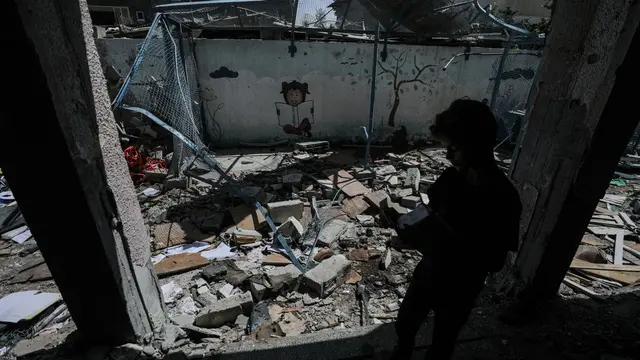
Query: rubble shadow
578,328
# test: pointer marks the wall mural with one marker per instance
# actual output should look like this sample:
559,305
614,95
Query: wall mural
414,76
295,97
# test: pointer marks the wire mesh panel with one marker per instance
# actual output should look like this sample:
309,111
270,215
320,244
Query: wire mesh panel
516,79
163,83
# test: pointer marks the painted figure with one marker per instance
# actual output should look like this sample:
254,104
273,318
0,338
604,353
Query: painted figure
295,97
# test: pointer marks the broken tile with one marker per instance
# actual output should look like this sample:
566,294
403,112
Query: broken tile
378,199
354,206
358,255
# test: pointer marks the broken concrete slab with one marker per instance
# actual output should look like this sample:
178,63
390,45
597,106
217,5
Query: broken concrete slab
410,202
283,278
385,170
347,183
331,231
292,228
413,179
169,334
359,255
282,210
312,146
225,291
214,272
354,206
378,199
385,261
258,290
366,220
328,275
292,179
224,311
398,194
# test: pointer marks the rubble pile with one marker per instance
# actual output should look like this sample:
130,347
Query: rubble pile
608,259
226,278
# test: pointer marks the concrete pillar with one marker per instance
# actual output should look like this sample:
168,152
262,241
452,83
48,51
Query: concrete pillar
61,155
574,134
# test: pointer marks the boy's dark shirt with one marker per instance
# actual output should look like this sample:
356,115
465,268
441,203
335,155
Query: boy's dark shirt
472,228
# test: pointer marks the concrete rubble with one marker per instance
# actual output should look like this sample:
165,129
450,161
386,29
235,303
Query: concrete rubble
226,278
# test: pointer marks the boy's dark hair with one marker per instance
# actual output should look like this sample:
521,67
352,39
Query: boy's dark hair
468,123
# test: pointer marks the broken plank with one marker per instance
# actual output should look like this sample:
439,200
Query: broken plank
180,263
627,220
628,249
623,277
604,230
618,248
585,265
276,259
605,223
581,289
348,184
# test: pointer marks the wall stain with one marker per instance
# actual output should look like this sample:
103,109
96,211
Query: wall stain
224,72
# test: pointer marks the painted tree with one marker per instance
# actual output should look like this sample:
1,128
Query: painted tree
396,71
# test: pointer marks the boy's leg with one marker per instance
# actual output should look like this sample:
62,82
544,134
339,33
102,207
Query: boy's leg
448,322
412,314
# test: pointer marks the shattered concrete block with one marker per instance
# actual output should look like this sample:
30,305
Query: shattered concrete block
385,261
413,179
255,192
206,299
201,282
169,335
293,178
398,194
203,289
363,174
398,208
282,278
328,275
410,202
172,182
214,272
258,290
225,291
243,236
366,220
386,170
377,198
331,231
224,311
282,210
393,180
292,228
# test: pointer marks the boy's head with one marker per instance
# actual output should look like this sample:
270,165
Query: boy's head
468,130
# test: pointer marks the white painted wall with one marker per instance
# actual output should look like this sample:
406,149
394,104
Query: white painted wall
338,76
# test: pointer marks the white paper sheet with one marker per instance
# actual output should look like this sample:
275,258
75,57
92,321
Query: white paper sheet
22,237
151,192
25,305
156,259
194,247
223,251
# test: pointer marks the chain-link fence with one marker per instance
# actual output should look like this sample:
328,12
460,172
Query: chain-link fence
163,83
510,88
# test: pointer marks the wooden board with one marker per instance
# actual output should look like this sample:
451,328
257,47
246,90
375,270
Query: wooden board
276,259
603,230
585,265
349,185
618,248
179,263
248,218
168,234
623,277
354,206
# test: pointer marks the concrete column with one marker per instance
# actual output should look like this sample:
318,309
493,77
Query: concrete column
61,155
574,134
